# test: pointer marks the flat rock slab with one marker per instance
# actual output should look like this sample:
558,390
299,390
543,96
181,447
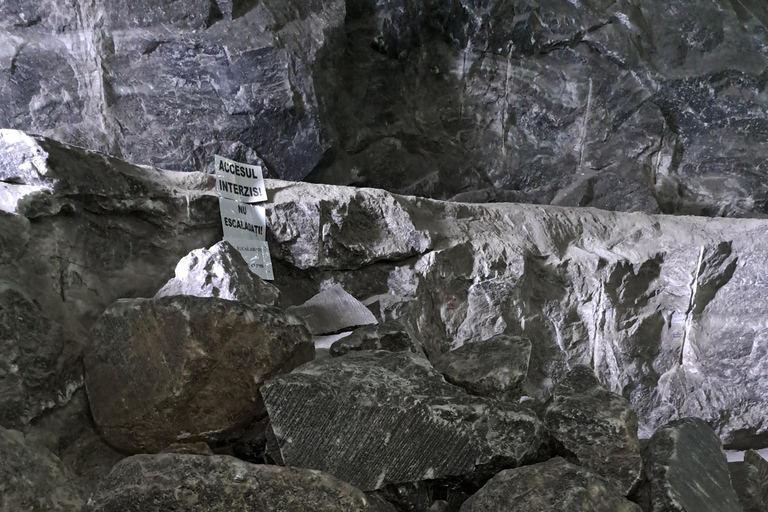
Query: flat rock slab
496,367
186,368
598,427
374,418
687,471
391,336
551,486
219,272
32,479
218,483
333,310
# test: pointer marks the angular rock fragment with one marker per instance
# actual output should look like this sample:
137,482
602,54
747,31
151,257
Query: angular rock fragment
554,485
374,418
32,479
186,368
220,272
333,310
39,366
686,470
750,481
495,367
390,336
598,427
218,483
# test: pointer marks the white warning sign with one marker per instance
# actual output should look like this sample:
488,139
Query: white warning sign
239,182
256,254
242,221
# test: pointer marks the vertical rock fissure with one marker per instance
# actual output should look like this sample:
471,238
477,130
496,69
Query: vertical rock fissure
584,126
691,302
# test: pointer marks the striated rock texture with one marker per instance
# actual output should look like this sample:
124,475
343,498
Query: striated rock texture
219,272
186,368
598,427
548,486
667,310
496,367
654,106
674,462
198,483
374,418
32,479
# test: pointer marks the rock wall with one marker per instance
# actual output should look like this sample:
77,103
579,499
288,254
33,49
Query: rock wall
653,106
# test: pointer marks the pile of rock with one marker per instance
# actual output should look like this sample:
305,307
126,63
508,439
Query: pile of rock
479,368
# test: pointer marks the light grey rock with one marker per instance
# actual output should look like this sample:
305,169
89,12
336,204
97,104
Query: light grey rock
548,486
216,483
32,479
666,309
598,427
219,272
375,418
333,310
174,85
496,367
439,506
686,469
186,368
391,336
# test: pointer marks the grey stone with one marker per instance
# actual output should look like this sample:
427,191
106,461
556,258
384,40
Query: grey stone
439,506
391,336
496,367
548,486
173,85
755,460
32,479
186,368
333,310
217,483
598,427
658,305
750,481
374,418
219,272
686,469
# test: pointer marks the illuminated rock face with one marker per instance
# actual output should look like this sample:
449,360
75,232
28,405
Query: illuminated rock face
653,107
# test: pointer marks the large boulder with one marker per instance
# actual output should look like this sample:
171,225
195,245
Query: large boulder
374,418
687,471
32,479
217,483
221,272
186,368
598,427
553,485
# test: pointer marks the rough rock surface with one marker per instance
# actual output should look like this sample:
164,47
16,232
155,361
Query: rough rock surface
750,481
374,418
668,310
657,106
391,336
219,272
496,367
198,483
79,230
173,84
32,479
186,368
553,485
687,471
598,427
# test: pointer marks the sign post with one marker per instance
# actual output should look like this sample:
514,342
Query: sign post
244,225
